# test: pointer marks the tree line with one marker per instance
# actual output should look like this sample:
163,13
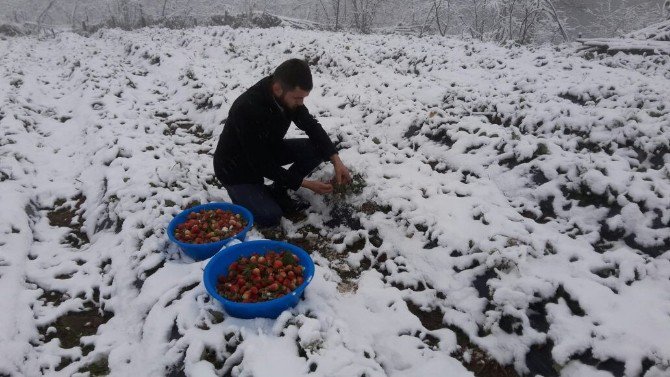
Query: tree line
520,21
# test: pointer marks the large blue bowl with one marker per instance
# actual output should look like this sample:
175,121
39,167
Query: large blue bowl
206,250
218,266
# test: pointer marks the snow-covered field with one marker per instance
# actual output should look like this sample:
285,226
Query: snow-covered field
516,204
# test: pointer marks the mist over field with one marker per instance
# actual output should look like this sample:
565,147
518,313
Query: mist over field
586,18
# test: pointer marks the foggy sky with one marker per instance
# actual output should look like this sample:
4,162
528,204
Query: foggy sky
394,10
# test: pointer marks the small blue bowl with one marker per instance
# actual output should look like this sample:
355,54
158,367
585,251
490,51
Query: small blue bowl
218,266
206,250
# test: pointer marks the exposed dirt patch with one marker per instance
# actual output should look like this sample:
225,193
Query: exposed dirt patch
187,126
69,215
613,366
343,214
540,361
100,367
176,370
370,207
210,355
373,237
273,233
482,365
70,327
472,357
52,297
431,320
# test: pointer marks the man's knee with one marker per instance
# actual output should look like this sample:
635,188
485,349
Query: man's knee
314,153
268,216
311,158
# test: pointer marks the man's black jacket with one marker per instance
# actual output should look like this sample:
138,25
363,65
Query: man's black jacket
253,133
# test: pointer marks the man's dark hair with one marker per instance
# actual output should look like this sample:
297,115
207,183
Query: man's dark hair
294,73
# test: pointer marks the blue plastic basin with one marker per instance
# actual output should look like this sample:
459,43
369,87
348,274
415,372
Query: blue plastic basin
206,250
218,265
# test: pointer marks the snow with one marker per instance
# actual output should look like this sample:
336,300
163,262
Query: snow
520,194
629,44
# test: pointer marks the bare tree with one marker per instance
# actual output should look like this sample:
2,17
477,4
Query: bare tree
442,15
550,9
615,18
19,16
364,12
73,20
522,21
336,9
333,12
43,14
163,10
481,18
430,17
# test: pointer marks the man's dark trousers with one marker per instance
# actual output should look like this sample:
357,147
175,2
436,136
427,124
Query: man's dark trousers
257,197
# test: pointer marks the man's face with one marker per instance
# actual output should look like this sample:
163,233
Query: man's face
292,99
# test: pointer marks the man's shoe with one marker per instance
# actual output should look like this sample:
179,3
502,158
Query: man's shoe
287,204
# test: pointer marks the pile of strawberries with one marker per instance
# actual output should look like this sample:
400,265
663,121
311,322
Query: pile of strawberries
209,226
260,278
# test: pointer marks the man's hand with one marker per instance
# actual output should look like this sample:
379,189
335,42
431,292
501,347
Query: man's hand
342,175
317,186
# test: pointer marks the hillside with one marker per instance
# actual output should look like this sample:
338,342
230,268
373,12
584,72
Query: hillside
512,212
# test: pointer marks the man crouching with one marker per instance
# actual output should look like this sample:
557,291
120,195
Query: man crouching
252,146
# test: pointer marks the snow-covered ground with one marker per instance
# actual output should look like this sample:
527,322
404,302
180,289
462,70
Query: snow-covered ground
516,202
